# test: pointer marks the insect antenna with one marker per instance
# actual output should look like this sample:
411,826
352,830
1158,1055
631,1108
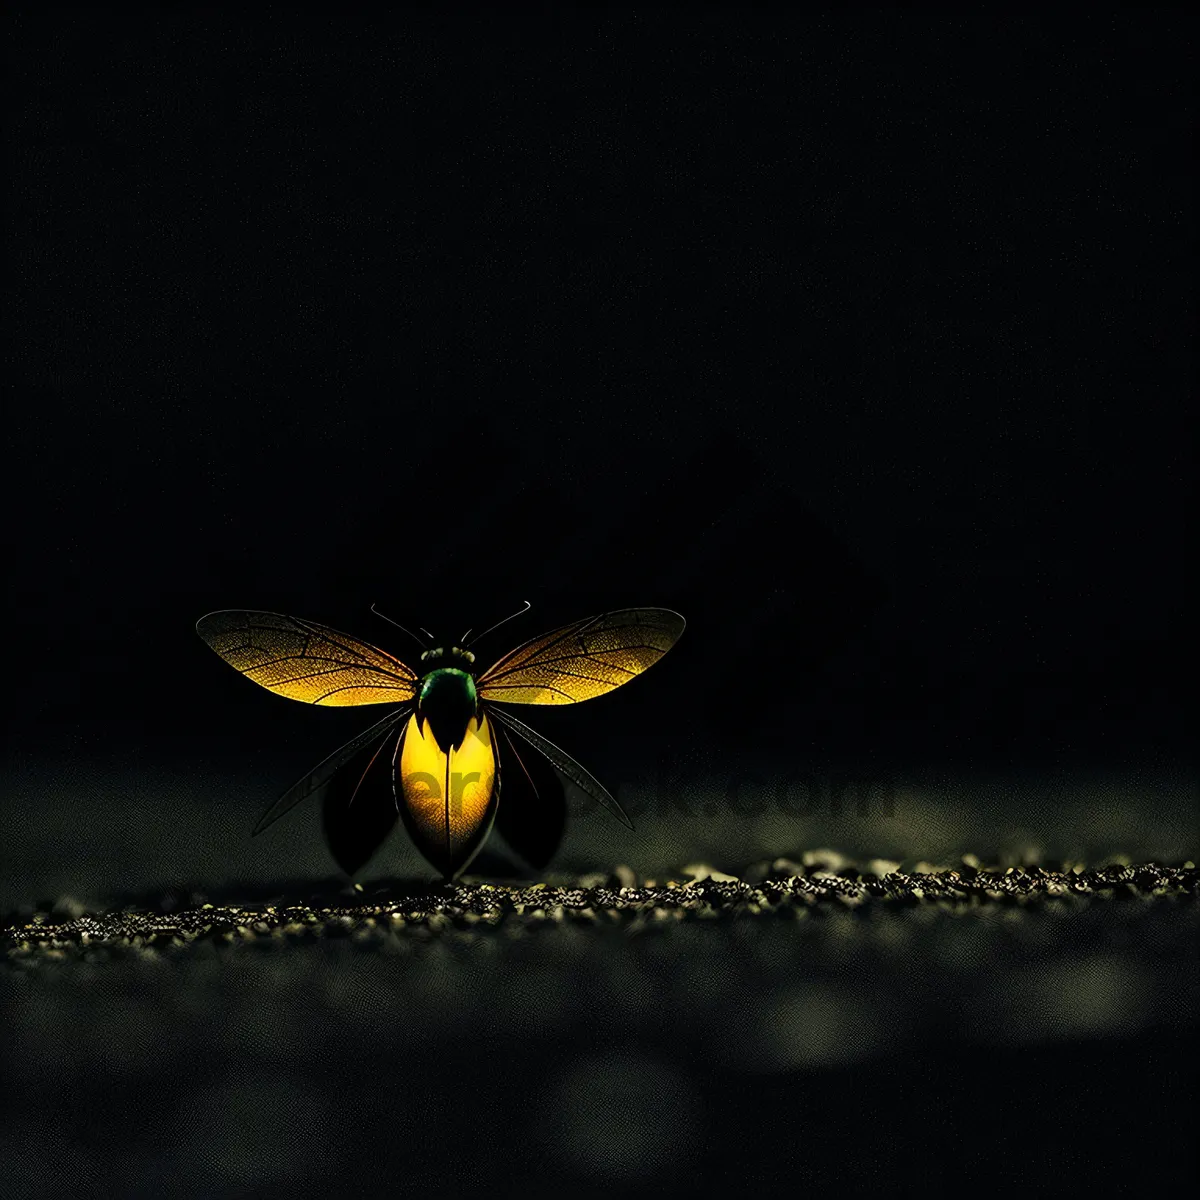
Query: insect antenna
401,627
464,643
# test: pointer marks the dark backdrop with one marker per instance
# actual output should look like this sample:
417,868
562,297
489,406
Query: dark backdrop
864,341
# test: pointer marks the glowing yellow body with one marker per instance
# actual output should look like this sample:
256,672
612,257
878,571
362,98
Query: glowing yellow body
449,798
446,786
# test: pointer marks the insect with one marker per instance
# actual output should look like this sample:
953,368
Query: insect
450,732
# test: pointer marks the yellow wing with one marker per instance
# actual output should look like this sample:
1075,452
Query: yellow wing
583,660
305,661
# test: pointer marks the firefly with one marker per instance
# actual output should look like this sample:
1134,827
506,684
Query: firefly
449,730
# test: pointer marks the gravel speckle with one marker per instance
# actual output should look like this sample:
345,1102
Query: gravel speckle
782,889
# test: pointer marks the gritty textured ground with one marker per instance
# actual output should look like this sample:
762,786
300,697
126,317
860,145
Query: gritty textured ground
783,888
609,1035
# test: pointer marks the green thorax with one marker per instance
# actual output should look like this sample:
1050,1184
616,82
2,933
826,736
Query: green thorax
448,701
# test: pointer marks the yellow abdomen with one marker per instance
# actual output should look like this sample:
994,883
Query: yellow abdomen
448,799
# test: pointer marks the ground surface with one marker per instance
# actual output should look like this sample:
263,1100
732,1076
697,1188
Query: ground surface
387,913
802,1020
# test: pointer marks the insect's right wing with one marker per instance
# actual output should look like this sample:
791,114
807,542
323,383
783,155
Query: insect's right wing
582,779
324,770
584,659
306,661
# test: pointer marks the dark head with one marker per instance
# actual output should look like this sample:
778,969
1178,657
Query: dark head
438,657
447,697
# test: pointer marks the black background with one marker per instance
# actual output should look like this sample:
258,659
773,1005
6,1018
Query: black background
787,326
864,341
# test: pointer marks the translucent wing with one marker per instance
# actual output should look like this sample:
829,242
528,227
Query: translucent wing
358,806
326,768
583,660
582,779
532,816
306,661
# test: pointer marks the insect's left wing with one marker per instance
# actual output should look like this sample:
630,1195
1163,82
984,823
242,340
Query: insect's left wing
584,659
306,661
